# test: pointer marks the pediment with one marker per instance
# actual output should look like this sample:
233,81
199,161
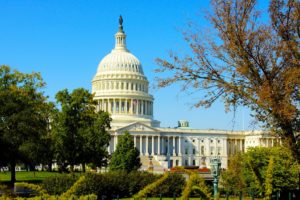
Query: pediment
137,127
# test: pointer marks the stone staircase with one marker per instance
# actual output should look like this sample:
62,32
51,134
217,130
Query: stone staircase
157,167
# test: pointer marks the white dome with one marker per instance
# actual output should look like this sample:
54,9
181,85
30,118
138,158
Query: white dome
121,88
120,60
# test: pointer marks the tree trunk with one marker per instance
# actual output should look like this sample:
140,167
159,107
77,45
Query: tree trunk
13,171
49,167
292,143
83,167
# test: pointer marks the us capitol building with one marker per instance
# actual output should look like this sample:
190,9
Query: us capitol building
121,88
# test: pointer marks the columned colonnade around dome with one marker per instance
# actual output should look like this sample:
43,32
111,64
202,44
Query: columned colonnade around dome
126,106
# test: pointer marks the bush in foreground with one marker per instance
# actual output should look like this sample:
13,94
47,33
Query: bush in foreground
168,185
59,184
114,183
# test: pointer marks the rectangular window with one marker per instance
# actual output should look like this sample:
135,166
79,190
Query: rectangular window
202,150
219,150
194,162
212,149
194,151
186,151
186,162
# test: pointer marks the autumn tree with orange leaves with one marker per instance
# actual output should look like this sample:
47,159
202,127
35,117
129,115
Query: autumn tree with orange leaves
248,61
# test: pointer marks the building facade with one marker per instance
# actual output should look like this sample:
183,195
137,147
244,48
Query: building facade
121,88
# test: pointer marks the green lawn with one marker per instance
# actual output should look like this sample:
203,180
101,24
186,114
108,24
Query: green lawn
231,198
27,176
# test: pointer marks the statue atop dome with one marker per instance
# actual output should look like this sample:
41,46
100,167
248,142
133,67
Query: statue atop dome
121,24
121,20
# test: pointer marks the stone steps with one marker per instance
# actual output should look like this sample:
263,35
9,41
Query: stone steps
145,164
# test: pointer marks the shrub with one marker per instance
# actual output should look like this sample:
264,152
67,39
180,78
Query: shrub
114,183
168,185
174,184
151,187
71,191
196,186
59,184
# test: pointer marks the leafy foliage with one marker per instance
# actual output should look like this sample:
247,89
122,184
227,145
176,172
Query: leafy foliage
151,187
42,194
80,132
58,184
245,61
126,157
196,186
172,185
263,170
23,117
114,183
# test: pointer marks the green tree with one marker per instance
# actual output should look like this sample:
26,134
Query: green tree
245,61
263,170
41,152
22,115
80,133
126,157
232,179
96,138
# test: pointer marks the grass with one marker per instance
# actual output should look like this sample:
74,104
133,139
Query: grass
25,176
192,198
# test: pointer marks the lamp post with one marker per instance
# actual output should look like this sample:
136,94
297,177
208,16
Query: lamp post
215,164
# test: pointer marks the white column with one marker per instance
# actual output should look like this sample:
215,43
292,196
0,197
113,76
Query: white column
108,106
142,107
207,140
141,144
216,146
115,142
152,151
134,140
199,148
158,146
235,146
224,148
126,107
169,145
103,105
146,108
174,145
137,107
164,146
114,106
109,147
179,145
147,147
272,142
228,146
241,145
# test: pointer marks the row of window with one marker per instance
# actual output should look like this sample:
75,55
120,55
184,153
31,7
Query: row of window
202,151
122,86
127,67
211,141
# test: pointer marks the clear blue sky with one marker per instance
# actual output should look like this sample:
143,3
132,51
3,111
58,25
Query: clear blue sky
65,41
